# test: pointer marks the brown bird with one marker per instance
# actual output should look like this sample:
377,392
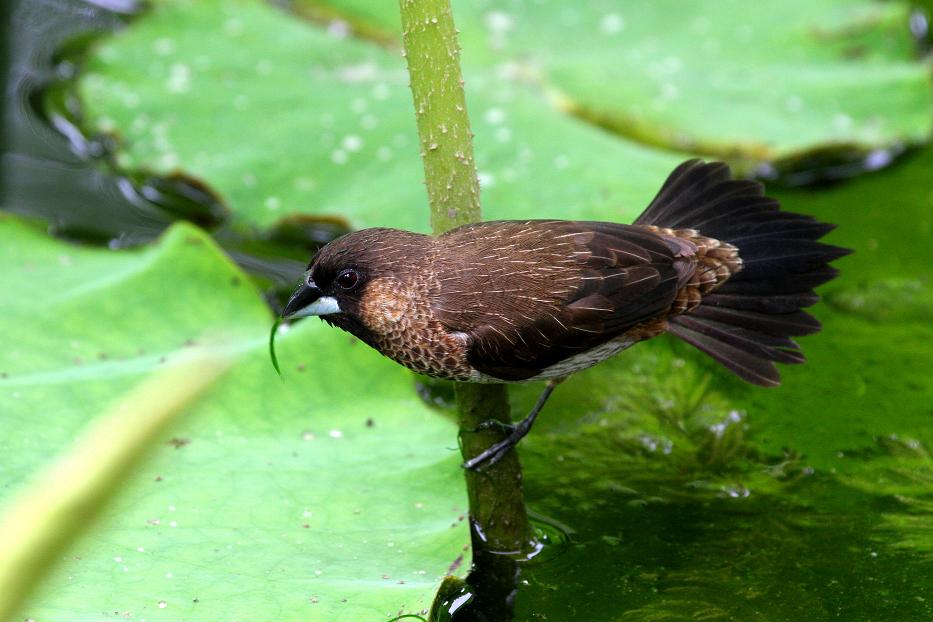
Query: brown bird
711,260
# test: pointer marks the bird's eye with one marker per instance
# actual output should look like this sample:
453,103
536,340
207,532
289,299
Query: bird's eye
348,279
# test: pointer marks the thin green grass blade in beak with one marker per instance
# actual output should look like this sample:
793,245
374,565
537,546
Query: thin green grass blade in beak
275,360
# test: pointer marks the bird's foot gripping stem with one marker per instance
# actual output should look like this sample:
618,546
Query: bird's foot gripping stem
494,424
517,432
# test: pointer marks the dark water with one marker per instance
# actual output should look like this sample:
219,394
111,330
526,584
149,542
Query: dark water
53,171
688,505
692,497
675,548
50,170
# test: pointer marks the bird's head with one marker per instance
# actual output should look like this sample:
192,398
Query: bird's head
346,275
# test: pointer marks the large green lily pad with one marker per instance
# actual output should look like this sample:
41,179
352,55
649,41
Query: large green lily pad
335,495
763,82
282,116
279,116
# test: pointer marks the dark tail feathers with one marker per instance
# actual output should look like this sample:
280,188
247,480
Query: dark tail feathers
747,323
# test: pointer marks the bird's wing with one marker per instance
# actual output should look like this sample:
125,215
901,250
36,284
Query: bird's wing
530,294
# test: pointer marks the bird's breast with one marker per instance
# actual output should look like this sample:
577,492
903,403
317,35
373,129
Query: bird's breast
401,324
388,306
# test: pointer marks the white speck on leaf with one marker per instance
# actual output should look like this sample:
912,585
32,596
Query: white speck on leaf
670,91
495,116
338,29
793,103
842,122
179,78
499,21
233,27
381,91
339,156
361,72
305,184
163,46
168,161
264,67
499,24
611,23
352,142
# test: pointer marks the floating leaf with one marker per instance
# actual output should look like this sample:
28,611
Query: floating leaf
336,496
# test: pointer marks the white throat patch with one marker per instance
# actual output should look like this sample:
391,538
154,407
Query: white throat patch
325,305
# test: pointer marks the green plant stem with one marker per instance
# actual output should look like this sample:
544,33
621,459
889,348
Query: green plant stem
497,501
433,54
429,39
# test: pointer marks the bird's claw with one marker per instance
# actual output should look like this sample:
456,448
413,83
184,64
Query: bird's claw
515,433
490,456
494,424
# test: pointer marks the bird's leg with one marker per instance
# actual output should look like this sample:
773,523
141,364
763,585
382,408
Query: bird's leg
493,423
496,452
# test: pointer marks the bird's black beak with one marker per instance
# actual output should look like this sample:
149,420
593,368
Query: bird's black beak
303,298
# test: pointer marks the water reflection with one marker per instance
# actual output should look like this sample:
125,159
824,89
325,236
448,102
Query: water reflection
53,171
47,174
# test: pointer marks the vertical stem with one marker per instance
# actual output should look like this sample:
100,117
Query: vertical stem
430,43
429,39
497,503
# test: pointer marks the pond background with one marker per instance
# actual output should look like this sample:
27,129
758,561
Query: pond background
672,490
